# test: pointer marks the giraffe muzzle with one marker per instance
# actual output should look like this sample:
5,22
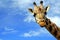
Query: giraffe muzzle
42,23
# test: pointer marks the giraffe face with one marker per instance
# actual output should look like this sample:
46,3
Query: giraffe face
39,13
40,16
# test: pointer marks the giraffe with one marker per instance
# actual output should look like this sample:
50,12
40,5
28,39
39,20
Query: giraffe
40,13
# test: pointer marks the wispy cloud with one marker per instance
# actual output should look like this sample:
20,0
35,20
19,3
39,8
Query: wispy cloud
56,9
22,4
8,30
2,4
29,18
35,33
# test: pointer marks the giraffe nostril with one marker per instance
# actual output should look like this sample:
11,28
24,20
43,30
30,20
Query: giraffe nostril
43,20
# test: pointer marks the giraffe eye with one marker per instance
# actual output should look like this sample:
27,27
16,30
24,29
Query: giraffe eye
45,13
34,14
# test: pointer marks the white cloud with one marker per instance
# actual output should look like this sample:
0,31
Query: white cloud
23,3
54,6
31,33
55,20
56,9
2,4
35,33
29,18
8,30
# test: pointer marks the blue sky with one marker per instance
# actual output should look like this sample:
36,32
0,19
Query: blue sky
17,23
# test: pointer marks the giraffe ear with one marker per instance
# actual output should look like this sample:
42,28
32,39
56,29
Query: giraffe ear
30,10
47,8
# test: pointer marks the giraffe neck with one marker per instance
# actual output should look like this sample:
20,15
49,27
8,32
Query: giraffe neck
53,29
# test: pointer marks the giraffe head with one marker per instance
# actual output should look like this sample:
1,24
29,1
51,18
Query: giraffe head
39,12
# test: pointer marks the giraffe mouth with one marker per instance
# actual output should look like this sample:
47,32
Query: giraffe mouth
42,23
